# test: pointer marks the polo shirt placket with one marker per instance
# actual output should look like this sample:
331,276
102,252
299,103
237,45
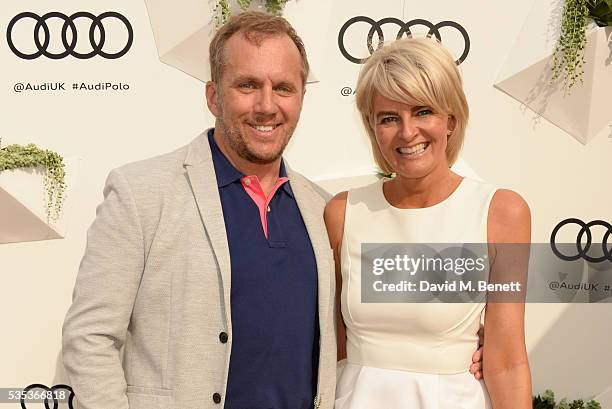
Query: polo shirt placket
275,331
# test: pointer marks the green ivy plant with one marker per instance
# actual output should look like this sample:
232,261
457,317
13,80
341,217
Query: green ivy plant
601,12
547,401
223,12
385,175
18,156
568,56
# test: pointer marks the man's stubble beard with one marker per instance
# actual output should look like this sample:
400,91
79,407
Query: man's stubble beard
237,143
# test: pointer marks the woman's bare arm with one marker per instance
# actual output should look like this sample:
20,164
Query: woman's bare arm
505,363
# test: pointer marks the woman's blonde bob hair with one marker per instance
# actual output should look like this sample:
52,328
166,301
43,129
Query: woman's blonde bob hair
417,72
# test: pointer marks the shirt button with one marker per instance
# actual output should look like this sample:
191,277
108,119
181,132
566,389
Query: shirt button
223,337
216,397
247,181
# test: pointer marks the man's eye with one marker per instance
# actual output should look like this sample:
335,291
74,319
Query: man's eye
247,85
284,89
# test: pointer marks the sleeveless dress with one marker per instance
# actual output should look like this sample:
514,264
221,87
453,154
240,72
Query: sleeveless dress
410,355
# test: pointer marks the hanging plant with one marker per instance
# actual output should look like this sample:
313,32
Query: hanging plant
223,11
601,12
547,401
568,56
18,157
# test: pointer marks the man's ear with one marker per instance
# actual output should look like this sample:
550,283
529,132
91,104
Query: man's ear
212,98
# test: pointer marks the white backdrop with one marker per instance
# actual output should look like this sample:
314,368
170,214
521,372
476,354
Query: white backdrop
164,108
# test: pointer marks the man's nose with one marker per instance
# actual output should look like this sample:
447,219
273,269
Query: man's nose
266,103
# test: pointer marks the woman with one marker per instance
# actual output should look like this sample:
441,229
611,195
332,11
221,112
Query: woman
416,356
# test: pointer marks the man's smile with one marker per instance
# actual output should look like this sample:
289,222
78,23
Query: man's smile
264,128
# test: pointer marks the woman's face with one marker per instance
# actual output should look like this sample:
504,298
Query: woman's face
411,138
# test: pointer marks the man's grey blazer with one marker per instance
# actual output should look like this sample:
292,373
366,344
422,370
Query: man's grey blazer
155,280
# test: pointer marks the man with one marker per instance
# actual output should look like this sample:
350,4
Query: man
199,331
211,265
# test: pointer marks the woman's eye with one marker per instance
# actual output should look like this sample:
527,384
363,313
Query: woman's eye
388,119
423,112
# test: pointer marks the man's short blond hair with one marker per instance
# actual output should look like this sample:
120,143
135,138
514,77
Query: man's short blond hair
418,72
255,26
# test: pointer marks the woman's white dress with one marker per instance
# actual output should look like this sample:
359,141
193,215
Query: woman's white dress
410,355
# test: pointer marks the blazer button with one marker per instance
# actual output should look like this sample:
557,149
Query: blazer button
216,398
223,337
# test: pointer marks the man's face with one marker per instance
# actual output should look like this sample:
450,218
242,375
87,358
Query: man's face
258,101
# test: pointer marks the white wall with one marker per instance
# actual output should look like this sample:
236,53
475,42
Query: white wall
164,109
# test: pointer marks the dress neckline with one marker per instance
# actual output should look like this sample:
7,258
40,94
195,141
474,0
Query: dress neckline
441,203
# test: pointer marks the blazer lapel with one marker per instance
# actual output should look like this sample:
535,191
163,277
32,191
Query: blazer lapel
312,214
201,174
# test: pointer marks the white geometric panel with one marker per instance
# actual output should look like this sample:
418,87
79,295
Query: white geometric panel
605,398
183,33
18,223
23,213
335,183
463,168
527,74
22,210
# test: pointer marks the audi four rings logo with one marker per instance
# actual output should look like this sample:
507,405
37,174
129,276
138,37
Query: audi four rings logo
51,394
69,42
404,28
583,248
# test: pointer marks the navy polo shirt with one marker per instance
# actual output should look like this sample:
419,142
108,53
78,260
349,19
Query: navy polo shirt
275,329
